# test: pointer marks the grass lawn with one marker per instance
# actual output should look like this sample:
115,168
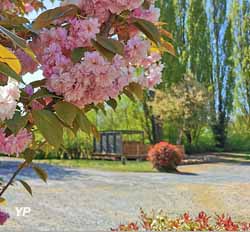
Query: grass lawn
104,165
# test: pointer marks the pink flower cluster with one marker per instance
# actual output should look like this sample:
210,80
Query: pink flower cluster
28,65
152,14
14,144
8,5
95,79
101,9
9,94
92,81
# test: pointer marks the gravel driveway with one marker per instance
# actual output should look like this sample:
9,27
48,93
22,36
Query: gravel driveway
88,200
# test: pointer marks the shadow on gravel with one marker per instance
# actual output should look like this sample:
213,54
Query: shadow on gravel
7,168
183,173
235,161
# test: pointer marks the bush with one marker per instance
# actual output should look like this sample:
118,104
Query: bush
165,156
162,222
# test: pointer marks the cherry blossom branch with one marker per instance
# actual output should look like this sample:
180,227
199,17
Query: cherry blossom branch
108,25
21,166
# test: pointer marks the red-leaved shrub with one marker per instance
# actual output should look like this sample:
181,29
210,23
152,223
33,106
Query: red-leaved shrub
162,222
165,156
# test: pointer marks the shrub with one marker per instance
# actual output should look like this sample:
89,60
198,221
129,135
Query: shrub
165,156
202,222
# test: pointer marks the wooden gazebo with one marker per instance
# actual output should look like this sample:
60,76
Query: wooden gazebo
115,144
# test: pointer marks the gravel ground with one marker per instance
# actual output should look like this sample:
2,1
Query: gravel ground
90,200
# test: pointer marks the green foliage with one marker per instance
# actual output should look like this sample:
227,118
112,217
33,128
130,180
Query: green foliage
26,186
47,17
18,41
17,122
40,172
66,112
108,47
185,105
50,127
6,70
103,165
199,48
148,28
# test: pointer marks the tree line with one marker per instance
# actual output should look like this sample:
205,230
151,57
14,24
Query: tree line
204,98
212,41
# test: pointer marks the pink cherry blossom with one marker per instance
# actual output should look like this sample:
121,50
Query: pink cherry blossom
152,14
14,144
28,65
9,94
95,79
28,7
82,31
117,6
136,50
29,90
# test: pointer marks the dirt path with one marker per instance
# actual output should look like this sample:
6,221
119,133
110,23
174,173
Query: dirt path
87,200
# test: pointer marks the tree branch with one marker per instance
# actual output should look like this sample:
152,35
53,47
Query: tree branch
21,166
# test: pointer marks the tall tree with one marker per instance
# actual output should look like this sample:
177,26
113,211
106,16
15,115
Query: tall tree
199,52
240,16
173,12
222,79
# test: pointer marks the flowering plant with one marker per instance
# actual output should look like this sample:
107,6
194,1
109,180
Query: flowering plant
90,52
165,156
162,222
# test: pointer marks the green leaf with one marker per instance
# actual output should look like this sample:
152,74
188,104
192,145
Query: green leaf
47,17
41,93
17,122
77,54
18,41
105,52
26,186
136,89
13,21
108,47
40,172
49,126
85,125
66,112
75,127
47,148
112,45
83,122
39,83
7,71
149,29
129,95
112,103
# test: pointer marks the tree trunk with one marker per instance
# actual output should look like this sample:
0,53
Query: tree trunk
156,130
219,130
189,137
